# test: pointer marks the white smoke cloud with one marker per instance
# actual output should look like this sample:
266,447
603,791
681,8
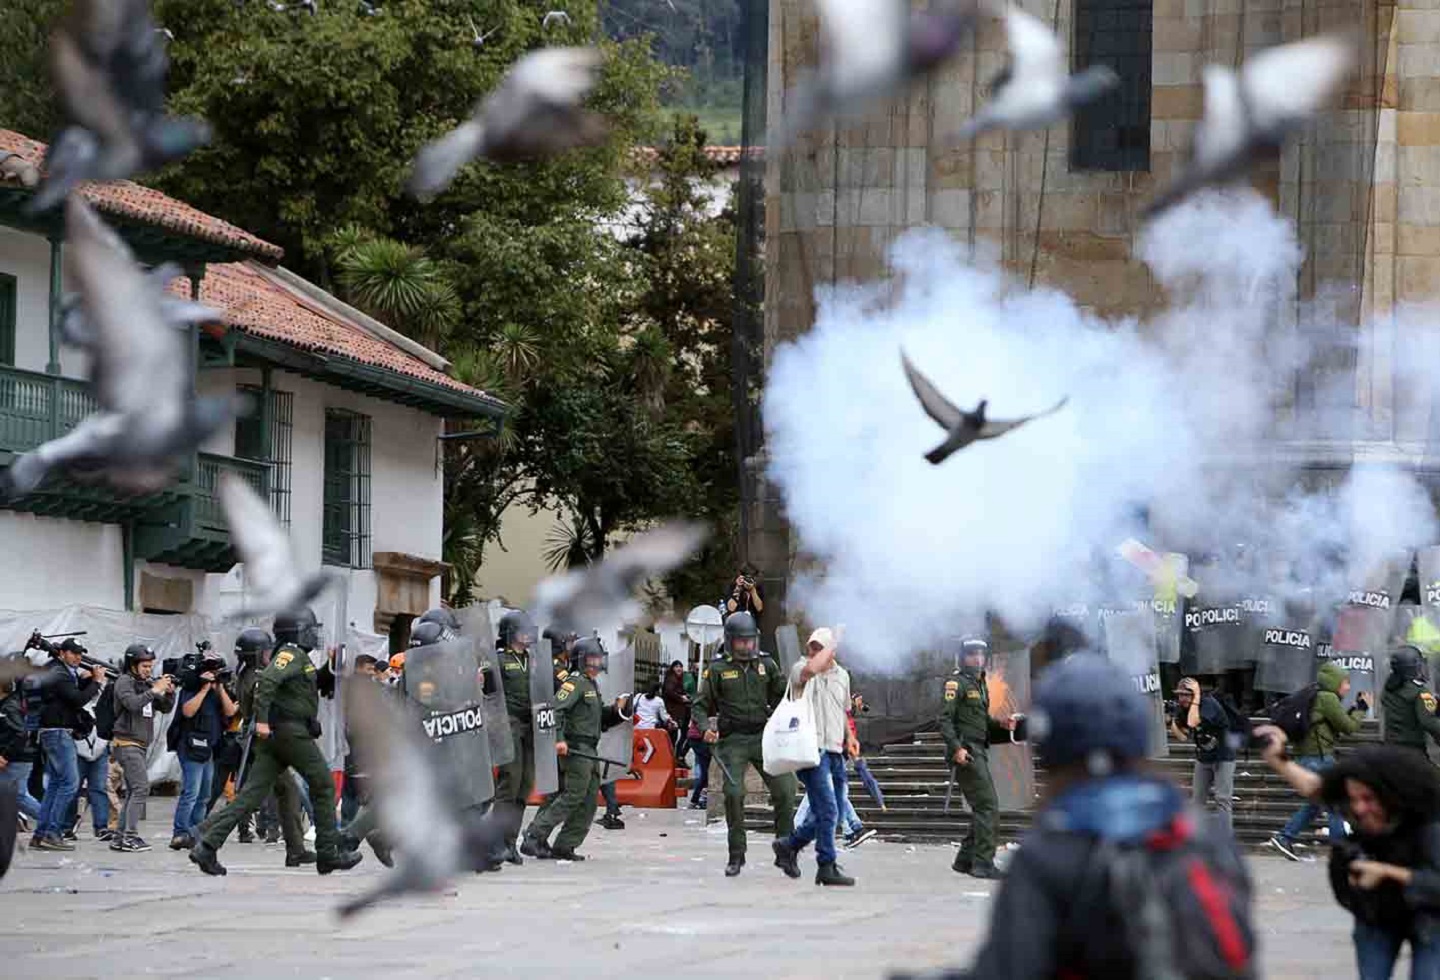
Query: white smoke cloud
1174,415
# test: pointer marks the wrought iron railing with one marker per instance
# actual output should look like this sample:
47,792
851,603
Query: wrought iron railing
208,466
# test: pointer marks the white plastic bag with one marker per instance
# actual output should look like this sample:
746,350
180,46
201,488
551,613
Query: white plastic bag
790,742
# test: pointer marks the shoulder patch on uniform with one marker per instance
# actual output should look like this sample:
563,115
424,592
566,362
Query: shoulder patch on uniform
760,669
563,674
565,691
973,694
949,695
705,674
952,685
591,694
1428,699
729,675
283,658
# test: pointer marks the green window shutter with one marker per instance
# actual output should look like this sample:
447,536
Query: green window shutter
7,320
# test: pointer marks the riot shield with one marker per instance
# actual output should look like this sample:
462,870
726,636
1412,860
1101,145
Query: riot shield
542,718
1129,641
1214,624
1287,661
617,743
1258,613
443,687
1011,767
475,626
787,646
1169,621
1363,625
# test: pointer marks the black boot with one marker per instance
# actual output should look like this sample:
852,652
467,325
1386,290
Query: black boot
786,858
733,868
611,821
298,858
339,861
246,835
536,847
987,870
565,854
512,856
204,856
830,874
962,863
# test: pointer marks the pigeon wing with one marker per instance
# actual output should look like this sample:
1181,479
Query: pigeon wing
1284,86
1034,48
260,541
863,42
998,427
1217,147
560,76
936,405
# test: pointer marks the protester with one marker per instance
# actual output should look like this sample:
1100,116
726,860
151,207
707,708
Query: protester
1203,719
139,701
862,768
827,686
64,691
17,755
1329,721
700,775
1387,872
205,707
677,703
650,710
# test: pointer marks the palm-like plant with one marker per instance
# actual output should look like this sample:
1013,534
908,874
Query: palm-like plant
517,351
399,284
568,545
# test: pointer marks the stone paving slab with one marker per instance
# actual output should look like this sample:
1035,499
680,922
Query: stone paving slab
650,900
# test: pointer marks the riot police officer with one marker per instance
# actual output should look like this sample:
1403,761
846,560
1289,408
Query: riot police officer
1407,705
287,704
737,693
969,730
517,778
582,718
251,646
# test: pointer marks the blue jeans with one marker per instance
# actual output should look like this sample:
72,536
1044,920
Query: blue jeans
848,822
19,774
868,779
194,795
1300,822
62,779
96,777
701,777
821,783
1376,950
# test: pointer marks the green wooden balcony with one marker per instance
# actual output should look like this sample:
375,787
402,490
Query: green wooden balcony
190,531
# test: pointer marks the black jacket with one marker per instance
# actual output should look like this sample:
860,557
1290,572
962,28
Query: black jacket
14,739
62,698
1413,910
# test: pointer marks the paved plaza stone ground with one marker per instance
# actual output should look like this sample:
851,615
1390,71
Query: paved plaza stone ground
650,901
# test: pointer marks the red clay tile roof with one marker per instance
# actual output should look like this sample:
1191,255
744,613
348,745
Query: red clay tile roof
127,199
255,303
725,156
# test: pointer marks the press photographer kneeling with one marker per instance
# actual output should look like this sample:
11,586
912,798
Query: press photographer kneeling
1386,872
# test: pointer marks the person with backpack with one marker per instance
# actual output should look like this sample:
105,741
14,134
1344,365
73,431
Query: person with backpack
65,688
92,764
1209,721
1314,731
137,701
1386,873
1116,878
17,754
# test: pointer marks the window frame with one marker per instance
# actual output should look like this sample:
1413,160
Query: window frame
347,546
1096,129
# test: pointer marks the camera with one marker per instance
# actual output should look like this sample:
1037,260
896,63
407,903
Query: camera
1171,708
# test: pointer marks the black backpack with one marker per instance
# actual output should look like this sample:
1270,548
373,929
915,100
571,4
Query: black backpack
1291,714
105,713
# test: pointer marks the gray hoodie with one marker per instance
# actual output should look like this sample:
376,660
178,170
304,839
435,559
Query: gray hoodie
136,706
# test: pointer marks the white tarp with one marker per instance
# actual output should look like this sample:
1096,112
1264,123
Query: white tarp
108,632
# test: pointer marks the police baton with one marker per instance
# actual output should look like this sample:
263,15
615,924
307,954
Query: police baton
949,789
247,739
601,759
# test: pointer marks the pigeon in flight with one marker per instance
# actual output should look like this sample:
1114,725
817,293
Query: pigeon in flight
149,415
871,49
963,428
1035,89
1250,112
602,596
109,64
555,17
478,40
181,313
535,112
264,548
432,838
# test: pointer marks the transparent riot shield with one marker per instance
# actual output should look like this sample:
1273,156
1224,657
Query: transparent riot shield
787,646
1213,627
1169,613
475,625
617,743
1258,613
1287,661
443,687
332,609
1363,627
1011,766
1129,641
542,719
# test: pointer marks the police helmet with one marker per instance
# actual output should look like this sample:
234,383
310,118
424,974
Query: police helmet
426,633
137,653
445,617
1408,664
974,655
1086,710
587,649
741,626
517,629
298,626
251,643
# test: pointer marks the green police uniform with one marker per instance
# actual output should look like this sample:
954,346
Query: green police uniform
741,694
286,697
287,801
517,777
1409,712
561,675
965,721
582,715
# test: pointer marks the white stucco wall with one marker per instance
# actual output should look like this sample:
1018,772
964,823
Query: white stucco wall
48,560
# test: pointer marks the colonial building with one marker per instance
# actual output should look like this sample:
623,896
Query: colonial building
345,441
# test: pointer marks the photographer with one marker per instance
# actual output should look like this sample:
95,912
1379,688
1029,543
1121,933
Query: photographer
746,596
1203,719
205,707
1387,872
65,689
137,699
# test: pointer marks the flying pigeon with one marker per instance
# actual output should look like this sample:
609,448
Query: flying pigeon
963,428
1250,112
478,41
264,547
77,331
149,414
534,112
870,49
432,838
1035,89
109,65
602,596
555,17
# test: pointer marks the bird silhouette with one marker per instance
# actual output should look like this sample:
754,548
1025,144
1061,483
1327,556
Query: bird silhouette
961,427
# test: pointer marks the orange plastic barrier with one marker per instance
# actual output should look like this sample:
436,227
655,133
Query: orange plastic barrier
654,760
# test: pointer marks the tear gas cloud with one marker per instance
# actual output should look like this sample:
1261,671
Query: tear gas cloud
1179,419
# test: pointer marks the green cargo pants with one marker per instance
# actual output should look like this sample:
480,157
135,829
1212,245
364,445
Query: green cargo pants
574,806
517,779
736,751
289,746
973,779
